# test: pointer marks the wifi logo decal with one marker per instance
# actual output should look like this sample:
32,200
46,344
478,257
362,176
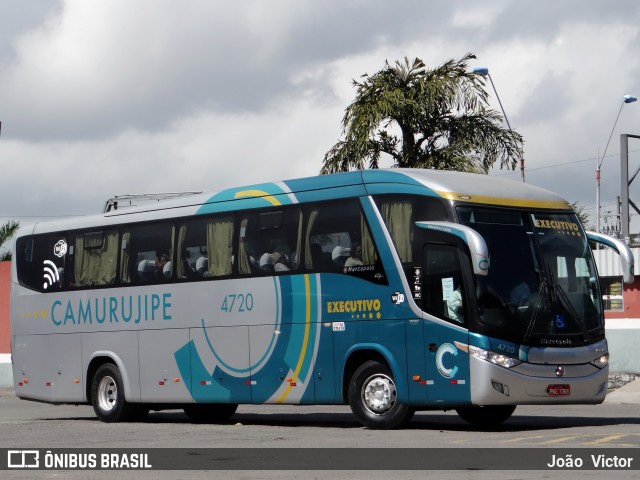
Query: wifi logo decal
51,274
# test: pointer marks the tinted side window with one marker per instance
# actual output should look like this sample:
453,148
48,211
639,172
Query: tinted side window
146,254
269,242
95,259
338,239
400,212
442,283
41,261
205,248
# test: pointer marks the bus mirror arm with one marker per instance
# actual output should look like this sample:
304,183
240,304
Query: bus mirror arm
475,242
621,248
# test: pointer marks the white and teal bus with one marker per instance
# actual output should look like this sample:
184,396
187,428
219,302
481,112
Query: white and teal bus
388,290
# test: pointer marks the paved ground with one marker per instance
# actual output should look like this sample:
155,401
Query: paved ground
627,394
615,425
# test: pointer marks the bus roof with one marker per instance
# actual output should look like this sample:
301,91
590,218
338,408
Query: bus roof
453,186
485,189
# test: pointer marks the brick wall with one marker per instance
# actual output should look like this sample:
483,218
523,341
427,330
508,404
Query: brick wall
5,281
631,295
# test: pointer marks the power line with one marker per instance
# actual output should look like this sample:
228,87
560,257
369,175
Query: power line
564,163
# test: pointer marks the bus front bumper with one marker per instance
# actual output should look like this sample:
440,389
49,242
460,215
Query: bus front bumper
531,384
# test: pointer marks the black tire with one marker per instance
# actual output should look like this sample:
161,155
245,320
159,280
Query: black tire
107,396
210,412
373,398
489,416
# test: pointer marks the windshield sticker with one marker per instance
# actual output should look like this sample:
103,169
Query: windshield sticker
562,227
447,288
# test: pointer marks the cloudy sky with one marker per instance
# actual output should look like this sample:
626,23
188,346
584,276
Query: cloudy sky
107,97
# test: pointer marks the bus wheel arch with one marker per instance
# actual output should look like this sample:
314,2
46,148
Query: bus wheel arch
372,392
98,359
354,361
358,355
107,392
95,363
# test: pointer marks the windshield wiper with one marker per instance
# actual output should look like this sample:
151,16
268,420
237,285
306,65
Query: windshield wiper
566,301
560,296
534,315
543,291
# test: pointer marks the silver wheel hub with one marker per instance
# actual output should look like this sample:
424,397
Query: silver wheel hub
379,394
107,394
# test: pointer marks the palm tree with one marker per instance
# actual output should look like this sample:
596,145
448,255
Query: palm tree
423,118
6,232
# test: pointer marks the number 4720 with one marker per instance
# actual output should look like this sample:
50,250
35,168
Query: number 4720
237,302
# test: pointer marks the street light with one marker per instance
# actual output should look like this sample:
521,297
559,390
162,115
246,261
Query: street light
625,99
484,71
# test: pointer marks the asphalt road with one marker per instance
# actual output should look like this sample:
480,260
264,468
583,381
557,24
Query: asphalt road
614,426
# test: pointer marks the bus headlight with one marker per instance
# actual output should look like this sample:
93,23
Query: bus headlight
602,361
493,357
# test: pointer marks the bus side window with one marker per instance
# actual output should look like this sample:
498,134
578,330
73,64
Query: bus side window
400,212
95,258
42,261
269,242
338,239
147,254
443,290
205,248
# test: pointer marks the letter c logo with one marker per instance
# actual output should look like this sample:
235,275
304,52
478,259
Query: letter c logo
444,371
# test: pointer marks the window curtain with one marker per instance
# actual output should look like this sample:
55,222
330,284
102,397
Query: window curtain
125,275
96,265
181,268
308,259
398,217
244,266
220,246
296,265
368,249
172,239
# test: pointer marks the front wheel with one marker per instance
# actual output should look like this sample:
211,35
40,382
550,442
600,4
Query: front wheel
373,397
488,416
107,396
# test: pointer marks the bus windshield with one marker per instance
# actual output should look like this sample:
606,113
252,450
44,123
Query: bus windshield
542,287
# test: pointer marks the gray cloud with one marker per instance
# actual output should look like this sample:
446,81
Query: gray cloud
534,19
110,97
17,17
95,72
549,100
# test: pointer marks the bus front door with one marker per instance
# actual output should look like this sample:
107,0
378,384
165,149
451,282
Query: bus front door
446,306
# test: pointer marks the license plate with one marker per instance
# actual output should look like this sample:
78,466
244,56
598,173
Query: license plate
558,390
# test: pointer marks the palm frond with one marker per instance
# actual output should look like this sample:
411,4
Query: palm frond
442,115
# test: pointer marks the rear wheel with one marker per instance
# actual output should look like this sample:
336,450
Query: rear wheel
373,397
107,396
210,412
488,416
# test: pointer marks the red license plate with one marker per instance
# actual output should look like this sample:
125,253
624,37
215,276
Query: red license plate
558,390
